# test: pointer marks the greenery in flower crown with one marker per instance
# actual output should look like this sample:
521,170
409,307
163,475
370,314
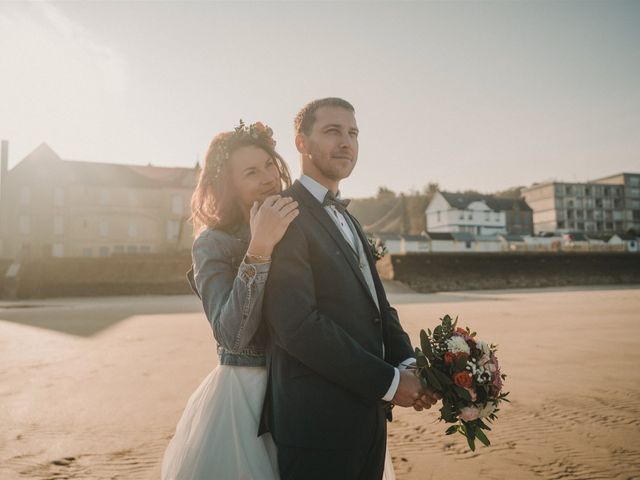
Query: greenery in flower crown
257,131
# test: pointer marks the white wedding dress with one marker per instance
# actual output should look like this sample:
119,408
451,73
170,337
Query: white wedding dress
216,437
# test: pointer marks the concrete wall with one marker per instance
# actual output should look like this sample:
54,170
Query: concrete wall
456,271
165,274
116,275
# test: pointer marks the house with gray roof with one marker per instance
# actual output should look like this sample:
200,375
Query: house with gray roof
478,214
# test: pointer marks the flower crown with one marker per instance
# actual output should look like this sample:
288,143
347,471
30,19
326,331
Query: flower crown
257,131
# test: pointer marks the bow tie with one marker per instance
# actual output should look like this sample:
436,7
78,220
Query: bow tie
338,203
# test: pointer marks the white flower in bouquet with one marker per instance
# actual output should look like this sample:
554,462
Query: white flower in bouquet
484,347
487,410
458,344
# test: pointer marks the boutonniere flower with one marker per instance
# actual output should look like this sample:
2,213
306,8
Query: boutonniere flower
378,248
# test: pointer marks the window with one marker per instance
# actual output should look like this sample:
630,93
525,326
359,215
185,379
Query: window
58,225
87,252
103,251
58,197
461,216
118,249
25,196
587,191
24,225
104,196
173,230
438,213
568,190
470,216
133,229
132,249
487,216
145,249
176,206
57,250
104,228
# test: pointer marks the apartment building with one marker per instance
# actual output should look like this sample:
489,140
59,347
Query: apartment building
604,206
62,208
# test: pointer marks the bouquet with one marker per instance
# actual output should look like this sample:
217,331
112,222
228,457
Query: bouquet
466,372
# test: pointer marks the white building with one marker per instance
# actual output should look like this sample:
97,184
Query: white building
414,243
487,243
477,214
629,242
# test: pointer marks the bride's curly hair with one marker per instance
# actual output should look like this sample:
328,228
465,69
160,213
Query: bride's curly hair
214,202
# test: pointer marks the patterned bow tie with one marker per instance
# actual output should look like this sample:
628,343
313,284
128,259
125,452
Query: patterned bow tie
340,204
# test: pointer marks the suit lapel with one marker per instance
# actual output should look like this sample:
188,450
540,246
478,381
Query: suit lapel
321,215
368,254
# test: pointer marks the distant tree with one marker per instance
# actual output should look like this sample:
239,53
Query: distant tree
512,192
384,192
431,188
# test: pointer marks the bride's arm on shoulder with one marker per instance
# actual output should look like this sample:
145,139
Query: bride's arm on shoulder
231,296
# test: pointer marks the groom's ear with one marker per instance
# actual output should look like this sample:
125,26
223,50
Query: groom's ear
301,143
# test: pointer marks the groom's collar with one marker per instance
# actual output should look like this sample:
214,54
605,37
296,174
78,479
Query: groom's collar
316,189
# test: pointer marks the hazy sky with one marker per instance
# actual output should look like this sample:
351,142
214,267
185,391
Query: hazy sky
482,95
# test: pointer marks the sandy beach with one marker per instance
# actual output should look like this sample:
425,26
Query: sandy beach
93,388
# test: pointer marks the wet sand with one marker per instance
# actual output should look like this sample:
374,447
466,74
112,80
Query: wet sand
93,388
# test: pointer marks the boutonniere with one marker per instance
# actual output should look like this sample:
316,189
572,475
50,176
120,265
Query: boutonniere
378,248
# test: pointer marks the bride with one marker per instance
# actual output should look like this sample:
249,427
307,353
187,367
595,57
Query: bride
238,217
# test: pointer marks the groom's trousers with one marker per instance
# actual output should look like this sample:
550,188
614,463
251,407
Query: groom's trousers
364,461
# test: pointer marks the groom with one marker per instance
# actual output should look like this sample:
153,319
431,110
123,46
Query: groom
338,350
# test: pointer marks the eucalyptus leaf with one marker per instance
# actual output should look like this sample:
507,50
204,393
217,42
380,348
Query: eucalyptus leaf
442,378
462,392
482,437
433,380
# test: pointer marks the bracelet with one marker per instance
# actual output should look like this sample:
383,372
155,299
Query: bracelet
261,258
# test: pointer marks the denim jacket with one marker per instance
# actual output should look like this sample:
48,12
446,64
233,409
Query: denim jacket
231,292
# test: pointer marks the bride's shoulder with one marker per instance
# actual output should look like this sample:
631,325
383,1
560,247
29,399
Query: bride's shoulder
213,240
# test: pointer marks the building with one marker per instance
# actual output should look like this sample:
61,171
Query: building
62,208
414,243
478,214
604,206
628,242
392,241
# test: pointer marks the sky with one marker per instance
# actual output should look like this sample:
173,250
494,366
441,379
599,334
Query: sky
471,95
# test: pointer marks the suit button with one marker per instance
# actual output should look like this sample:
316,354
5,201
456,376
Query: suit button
376,320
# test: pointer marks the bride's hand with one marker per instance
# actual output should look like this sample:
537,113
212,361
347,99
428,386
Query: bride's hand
269,222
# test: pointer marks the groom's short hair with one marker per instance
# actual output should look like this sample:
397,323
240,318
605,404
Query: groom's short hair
306,117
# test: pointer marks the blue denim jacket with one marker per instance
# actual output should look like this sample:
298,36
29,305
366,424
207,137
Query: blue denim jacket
231,292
